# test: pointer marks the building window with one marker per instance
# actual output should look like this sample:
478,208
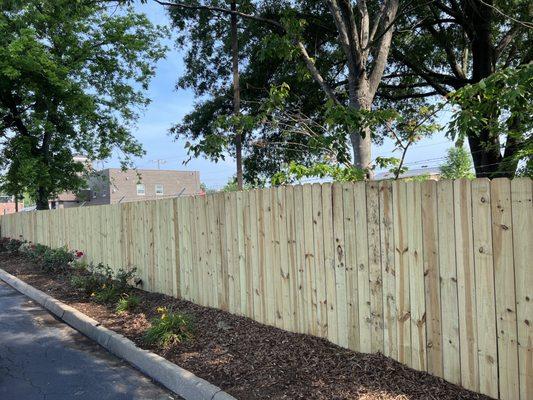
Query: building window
159,189
140,190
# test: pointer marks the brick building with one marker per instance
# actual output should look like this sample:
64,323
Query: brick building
113,185
7,205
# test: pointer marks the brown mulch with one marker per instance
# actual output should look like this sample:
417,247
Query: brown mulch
250,360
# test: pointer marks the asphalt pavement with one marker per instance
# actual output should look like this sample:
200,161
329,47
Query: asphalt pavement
42,358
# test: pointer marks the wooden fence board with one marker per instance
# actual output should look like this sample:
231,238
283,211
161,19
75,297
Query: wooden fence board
254,258
504,276
374,267
448,283
292,266
464,247
386,220
339,265
432,278
522,211
363,277
318,248
240,280
416,276
402,273
484,271
352,296
302,297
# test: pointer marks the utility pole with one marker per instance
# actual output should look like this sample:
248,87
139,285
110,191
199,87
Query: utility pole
159,162
236,90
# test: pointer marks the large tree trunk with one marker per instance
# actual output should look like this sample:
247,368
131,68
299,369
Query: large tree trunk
41,201
484,145
361,99
236,92
43,192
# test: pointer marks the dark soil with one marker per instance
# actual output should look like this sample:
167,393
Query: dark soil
250,360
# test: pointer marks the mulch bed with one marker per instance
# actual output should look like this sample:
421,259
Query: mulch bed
250,360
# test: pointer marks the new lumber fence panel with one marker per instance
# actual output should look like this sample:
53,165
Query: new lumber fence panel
437,275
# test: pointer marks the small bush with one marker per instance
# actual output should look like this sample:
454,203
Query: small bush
57,260
88,283
127,303
107,294
37,252
8,245
120,280
172,327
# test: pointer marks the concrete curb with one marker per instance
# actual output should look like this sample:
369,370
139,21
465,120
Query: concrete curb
173,377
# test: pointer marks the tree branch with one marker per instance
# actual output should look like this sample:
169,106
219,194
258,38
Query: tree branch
387,96
315,73
384,46
308,61
223,11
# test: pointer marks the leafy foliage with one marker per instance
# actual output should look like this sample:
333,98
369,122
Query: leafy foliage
171,327
56,260
508,95
9,245
127,302
267,59
72,77
296,172
458,164
444,46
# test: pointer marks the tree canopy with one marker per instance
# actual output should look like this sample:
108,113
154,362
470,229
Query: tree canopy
438,47
72,77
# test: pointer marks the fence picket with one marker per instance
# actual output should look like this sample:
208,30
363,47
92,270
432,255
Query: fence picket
484,271
522,210
448,283
504,276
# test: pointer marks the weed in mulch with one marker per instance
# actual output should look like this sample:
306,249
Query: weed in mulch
171,328
127,302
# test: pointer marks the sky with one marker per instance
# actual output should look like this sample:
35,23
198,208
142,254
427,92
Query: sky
169,105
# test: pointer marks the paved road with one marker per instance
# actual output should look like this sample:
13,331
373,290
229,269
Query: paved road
41,358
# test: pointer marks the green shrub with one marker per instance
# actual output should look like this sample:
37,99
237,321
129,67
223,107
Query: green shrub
37,252
56,260
89,283
127,302
172,327
107,294
120,280
8,245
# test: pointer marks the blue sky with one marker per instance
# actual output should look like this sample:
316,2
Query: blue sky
170,105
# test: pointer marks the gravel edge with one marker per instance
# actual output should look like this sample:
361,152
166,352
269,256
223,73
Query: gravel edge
180,381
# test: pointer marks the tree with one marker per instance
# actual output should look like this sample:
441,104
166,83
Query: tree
72,76
265,147
360,47
458,164
447,45
236,89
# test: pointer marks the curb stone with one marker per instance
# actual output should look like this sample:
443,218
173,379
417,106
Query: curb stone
182,382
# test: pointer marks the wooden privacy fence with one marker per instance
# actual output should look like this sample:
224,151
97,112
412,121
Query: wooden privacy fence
437,275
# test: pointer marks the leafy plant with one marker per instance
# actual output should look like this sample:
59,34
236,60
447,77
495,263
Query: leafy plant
127,302
89,283
56,259
80,73
10,245
107,294
172,327
458,164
